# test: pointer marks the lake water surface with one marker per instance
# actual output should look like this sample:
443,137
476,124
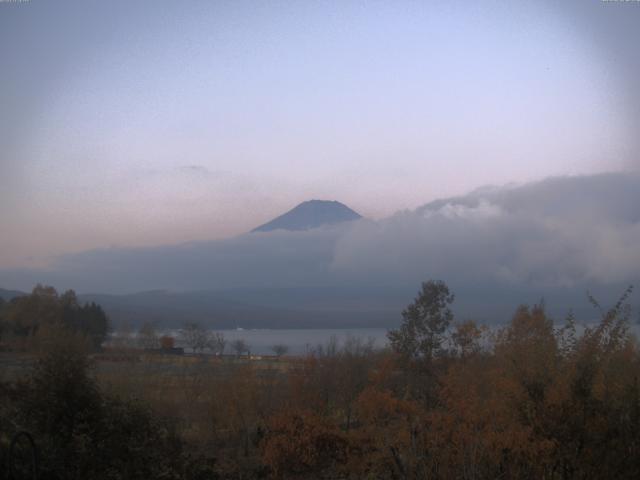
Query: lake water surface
300,341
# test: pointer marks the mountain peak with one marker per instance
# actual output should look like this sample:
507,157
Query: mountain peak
310,214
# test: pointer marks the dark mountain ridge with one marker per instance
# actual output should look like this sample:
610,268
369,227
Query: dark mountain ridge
9,294
310,214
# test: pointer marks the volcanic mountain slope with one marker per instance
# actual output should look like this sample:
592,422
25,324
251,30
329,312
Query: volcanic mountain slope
310,214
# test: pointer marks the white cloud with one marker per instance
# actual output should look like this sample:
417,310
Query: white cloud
557,232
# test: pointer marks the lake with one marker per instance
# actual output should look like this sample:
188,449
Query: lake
299,341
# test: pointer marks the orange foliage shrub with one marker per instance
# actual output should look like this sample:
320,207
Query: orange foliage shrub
302,442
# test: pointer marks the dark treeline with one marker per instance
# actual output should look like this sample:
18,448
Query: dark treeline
26,318
448,400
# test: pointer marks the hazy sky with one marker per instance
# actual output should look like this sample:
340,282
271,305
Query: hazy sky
145,123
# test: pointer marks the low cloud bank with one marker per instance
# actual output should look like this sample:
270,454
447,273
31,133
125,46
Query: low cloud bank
496,246
560,232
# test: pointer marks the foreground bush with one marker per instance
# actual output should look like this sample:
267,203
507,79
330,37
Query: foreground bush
82,433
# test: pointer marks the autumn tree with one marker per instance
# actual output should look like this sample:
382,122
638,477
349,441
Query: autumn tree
388,442
425,322
528,351
24,315
593,412
303,444
466,338
350,371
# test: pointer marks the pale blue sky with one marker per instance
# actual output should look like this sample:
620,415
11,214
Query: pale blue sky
145,123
